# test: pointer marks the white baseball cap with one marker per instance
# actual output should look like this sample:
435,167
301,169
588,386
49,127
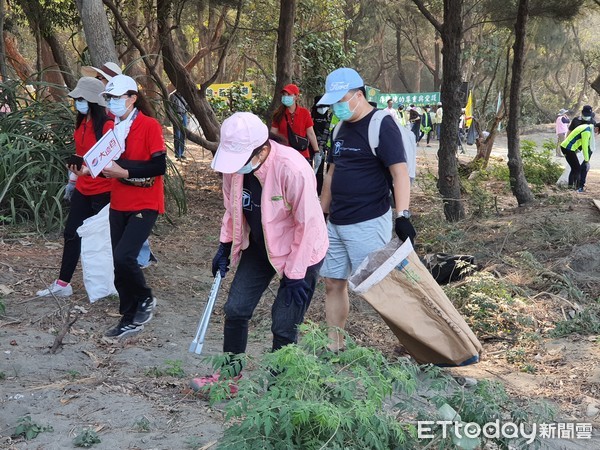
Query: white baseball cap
241,134
119,85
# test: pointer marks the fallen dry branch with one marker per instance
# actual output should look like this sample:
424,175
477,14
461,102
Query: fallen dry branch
60,336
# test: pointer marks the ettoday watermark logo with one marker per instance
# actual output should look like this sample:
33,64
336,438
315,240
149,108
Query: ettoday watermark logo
426,429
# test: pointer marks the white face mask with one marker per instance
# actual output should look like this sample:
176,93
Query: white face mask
248,168
118,106
322,110
82,106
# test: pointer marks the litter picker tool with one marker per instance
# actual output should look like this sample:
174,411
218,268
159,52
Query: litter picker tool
198,342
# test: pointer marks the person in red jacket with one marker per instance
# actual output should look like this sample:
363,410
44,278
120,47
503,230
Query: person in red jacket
87,195
137,198
290,118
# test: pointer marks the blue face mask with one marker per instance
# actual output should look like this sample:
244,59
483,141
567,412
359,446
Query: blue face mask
117,106
248,168
342,109
82,106
287,100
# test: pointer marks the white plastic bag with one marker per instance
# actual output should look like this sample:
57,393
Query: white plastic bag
97,257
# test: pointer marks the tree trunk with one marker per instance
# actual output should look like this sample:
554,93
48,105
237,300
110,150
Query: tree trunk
51,75
400,66
437,63
449,181
15,58
285,40
596,84
518,183
3,71
484,146
185,84
60,57
97,32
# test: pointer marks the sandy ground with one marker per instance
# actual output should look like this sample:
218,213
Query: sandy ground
110,386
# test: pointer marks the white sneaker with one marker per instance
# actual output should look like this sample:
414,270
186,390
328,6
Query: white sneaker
56,289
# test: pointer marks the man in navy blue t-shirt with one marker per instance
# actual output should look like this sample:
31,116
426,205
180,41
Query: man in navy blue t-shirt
356,192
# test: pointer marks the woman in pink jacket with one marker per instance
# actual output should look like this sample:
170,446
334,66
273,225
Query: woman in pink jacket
273,224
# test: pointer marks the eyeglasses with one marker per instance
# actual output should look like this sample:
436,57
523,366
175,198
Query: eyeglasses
108,97
100,77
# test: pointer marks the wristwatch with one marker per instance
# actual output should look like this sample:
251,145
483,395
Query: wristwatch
405,213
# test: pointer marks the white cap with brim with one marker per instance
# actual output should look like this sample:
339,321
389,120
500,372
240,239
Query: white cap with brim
338,83
563,111
119,85
241,134
108,70
90,89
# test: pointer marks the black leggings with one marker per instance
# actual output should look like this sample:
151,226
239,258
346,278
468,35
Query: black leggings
82,207
128,231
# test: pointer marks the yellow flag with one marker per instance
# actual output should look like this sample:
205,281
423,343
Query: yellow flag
469,110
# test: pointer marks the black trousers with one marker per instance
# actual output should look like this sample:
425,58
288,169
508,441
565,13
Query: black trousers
573,162
82,207
253,275
128,231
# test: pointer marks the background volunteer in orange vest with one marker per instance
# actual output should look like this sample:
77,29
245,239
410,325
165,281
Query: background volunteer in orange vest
290,115
137,198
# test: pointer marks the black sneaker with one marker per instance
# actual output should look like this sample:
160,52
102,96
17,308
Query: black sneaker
144,312
123,329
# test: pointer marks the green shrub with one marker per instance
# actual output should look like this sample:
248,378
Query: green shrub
35,139
538,165
489,305
585,322
237,101
306,397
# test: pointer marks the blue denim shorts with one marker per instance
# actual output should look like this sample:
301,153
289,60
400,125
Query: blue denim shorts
349,245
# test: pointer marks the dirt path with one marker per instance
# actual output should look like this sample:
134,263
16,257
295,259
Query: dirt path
112,387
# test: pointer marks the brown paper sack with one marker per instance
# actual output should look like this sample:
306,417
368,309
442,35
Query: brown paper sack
400,288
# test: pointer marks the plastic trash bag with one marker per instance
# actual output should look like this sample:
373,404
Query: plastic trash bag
97,257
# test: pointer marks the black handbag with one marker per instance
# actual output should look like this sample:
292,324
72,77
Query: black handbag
298,142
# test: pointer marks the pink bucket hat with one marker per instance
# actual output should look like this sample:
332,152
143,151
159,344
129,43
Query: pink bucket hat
241,134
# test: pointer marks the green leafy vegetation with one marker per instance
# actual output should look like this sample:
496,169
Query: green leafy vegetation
142,425
35,139
539,165
28,429
86,438
586,322
489,305
171,368
304,396
237,101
